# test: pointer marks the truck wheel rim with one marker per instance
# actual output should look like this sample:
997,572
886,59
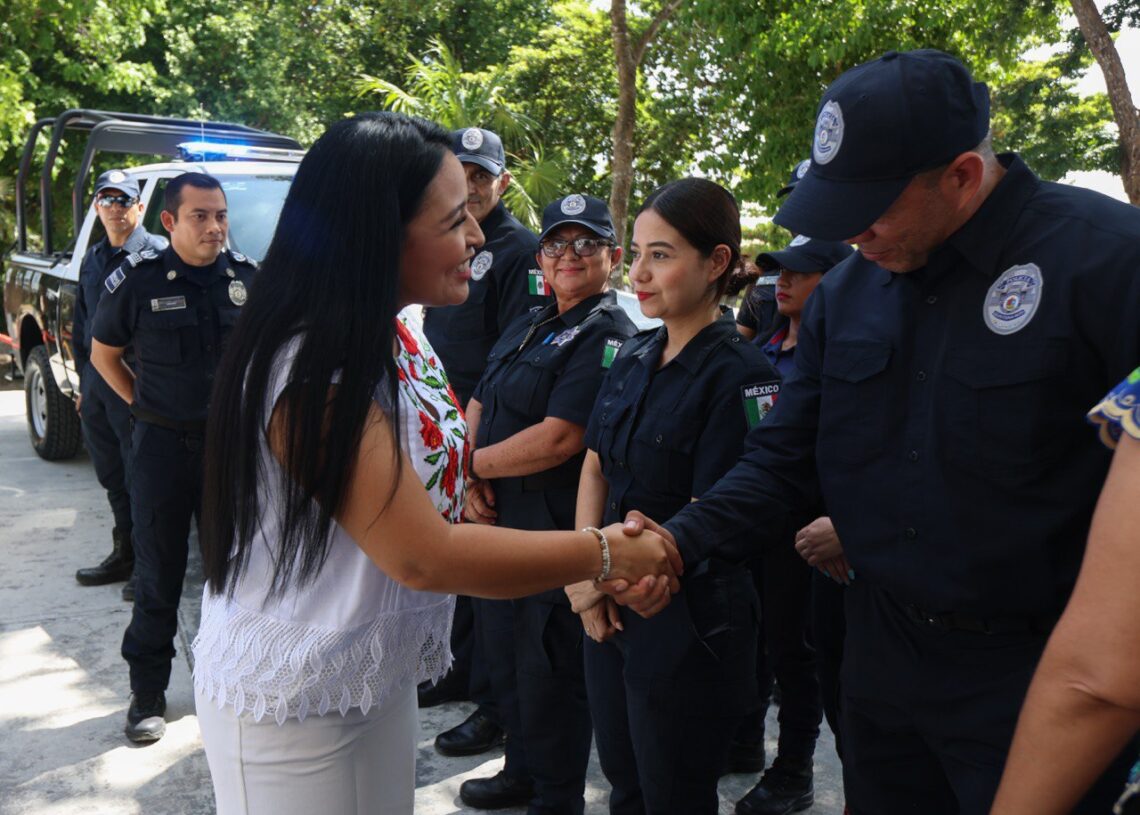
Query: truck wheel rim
38,411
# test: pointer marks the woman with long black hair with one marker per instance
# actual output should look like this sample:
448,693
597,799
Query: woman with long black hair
333,472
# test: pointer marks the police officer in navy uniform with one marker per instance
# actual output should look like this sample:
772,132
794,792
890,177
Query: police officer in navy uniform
529,413
176,308
942,376
106,420
668,422
756,314
503,287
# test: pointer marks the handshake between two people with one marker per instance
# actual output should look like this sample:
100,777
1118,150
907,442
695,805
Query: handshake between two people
646,565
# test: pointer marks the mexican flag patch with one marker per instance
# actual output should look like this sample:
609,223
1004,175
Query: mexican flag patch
612,346
758,401
536,283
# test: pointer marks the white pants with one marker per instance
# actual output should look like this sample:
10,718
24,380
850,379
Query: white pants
331,765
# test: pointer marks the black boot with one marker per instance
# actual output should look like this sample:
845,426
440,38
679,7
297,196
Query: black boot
497,792
145,722
786,787
129,589
476,734
116,566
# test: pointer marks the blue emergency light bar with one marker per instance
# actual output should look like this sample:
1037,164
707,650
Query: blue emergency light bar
223,151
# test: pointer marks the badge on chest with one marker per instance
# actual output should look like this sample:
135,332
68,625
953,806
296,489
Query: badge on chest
1013,299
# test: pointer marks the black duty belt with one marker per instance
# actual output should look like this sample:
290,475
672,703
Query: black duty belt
954,621
191,428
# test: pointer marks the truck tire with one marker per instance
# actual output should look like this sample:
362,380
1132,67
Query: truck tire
53,422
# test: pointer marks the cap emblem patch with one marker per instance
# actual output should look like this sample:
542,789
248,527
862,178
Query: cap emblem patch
828,133
117,176
1013,299
472,138
573,205
799,240
481,265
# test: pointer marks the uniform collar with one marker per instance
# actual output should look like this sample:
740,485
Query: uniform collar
982,239
692,357
494,218
174,267
579,312
136,241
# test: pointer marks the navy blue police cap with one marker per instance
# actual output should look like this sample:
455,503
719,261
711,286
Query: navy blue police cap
474,145
879,125
119,180
807,255
799,172
590,212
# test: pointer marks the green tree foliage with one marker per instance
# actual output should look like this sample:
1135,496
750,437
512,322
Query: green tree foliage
770,62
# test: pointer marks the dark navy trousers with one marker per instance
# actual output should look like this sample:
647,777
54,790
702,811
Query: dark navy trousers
166,492
107,434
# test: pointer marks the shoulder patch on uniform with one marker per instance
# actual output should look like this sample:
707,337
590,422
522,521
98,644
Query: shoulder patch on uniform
536,283
240,258
610,350
115,279
759,399
142,256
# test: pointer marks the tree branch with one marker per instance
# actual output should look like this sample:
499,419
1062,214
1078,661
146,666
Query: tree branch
655,24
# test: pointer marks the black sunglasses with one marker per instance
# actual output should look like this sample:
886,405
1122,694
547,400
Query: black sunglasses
583,247
107,201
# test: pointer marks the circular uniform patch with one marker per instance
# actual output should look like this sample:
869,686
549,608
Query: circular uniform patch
828,133
472,138
803,167
799,240
238,294
573,204
481,265
117,176
171,274
1013,299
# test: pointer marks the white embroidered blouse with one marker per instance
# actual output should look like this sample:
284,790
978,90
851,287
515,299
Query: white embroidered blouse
353,635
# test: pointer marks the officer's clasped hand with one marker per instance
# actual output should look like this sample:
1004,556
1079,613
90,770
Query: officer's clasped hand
652,592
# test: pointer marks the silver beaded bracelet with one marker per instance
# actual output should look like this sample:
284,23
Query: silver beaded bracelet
605,544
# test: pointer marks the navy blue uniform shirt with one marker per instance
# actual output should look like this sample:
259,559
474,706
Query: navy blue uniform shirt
665,436
97,263
177,317
943,409
549,364
505,284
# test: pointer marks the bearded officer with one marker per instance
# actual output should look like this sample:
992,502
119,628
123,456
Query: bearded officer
106,420
177,309
505,283
941,379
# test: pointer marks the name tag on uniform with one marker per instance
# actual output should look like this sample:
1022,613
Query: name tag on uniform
167,303
759,400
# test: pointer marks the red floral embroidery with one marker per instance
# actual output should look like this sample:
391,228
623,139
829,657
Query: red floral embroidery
451,471
430,432
412,371
406,338
432,363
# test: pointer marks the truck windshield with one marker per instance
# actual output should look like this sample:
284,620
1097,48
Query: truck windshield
254,205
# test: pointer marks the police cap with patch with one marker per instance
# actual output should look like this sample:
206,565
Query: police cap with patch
586,210
879,125
806,255
474,145
799,172
117,180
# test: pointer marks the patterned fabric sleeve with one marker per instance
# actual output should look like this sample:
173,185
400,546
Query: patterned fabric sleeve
1119,411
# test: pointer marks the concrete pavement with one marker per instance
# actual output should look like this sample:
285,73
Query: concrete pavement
63,686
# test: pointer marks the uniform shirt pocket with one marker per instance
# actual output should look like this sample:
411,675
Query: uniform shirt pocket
662,451
854,400
1001,416
166,337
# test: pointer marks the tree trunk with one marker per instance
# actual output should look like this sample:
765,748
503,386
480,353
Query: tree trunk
628,56
621,168
1127,116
